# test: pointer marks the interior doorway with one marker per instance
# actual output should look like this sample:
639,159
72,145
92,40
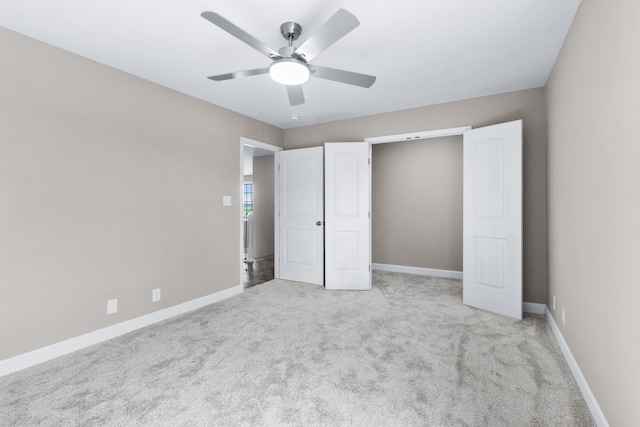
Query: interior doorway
256,212
492,214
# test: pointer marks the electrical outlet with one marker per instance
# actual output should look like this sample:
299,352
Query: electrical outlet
155,295
562,316
553,303
112,306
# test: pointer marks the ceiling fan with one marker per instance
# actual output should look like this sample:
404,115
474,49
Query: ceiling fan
291,65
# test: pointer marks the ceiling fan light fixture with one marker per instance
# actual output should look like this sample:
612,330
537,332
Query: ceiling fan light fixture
288,71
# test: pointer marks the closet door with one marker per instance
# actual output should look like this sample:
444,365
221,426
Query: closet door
348,215
492,219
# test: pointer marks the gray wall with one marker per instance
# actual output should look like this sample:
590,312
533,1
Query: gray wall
263,207
110,186
593,102
417,203
528,105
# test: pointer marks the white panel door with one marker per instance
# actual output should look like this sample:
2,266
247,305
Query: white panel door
347,215
300,213
492,219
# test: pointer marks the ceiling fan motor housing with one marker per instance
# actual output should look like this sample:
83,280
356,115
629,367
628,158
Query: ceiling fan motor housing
290,31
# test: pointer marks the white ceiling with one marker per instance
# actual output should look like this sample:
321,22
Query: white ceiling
423,52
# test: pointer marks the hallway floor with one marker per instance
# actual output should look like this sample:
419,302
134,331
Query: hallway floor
259,271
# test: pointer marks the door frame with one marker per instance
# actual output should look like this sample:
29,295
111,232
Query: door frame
416,136
425,134
262,146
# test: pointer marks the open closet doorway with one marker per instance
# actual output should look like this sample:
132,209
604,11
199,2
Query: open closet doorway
491,214
417,206
257,212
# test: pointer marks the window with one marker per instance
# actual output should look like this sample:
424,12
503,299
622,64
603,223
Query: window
248,197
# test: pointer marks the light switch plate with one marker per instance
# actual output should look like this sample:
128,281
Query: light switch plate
226,200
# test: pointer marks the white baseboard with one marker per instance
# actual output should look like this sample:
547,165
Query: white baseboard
61,348
417,270
592,403
534,308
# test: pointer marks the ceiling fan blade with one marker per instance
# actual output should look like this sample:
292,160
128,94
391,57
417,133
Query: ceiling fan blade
240,34
342,76
296,96
336,27
237,74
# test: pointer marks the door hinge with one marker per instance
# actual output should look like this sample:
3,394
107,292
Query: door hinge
369,214
369,161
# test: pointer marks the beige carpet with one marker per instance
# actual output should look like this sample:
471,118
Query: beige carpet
406,353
